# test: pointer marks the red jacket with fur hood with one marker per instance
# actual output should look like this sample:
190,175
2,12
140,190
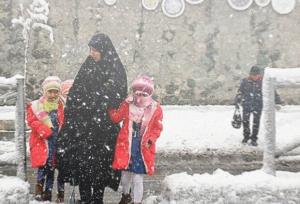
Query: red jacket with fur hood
124,140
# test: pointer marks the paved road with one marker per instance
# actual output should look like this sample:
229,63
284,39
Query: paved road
233,162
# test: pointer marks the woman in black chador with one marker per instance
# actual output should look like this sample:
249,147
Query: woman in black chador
87,140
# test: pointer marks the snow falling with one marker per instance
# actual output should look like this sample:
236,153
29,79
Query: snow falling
203,132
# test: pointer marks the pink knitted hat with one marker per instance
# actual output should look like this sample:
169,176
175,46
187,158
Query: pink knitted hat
51,83
144,84
66,85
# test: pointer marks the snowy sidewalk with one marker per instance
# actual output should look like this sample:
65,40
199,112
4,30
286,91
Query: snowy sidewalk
196,140
198,129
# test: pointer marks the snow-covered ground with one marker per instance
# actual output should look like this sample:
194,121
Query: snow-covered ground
224,188
13,190
196,129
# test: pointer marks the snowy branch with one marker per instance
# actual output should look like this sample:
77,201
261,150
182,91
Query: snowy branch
34,17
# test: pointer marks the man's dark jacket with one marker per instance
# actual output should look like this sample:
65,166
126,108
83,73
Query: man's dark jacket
250,95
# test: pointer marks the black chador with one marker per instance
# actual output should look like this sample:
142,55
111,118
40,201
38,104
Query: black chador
87,139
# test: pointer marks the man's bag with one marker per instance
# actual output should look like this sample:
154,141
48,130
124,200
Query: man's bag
237,119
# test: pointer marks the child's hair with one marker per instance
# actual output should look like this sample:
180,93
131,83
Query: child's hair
144,84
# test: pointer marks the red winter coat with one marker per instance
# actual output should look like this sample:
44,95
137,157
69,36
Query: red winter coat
124,140
39,134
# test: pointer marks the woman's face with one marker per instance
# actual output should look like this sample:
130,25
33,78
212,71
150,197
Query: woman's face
95,54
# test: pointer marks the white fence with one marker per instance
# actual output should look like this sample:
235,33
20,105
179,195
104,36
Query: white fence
16,83
288,77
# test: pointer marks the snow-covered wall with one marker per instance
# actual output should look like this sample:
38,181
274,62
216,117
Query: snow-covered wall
198,57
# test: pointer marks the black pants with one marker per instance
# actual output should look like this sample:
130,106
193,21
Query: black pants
255,125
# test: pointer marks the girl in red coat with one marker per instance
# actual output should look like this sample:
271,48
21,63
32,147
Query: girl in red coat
45,117
141,118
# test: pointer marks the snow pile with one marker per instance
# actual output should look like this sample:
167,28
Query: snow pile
13,190
222,187
7,152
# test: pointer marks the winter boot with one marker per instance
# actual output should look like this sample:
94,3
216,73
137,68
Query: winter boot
47,196
126,199
253,143
39,191
60,197
245,140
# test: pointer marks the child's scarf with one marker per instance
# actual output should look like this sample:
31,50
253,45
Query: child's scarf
141,112
50,106
41,109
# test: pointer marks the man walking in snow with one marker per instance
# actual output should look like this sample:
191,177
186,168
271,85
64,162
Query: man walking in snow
249,96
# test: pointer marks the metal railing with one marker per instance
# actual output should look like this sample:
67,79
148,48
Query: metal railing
15,86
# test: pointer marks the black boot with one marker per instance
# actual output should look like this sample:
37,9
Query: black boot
126,199
47,196
245,140
253,143
60,197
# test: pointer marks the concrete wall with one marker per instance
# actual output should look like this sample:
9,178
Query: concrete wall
198,58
